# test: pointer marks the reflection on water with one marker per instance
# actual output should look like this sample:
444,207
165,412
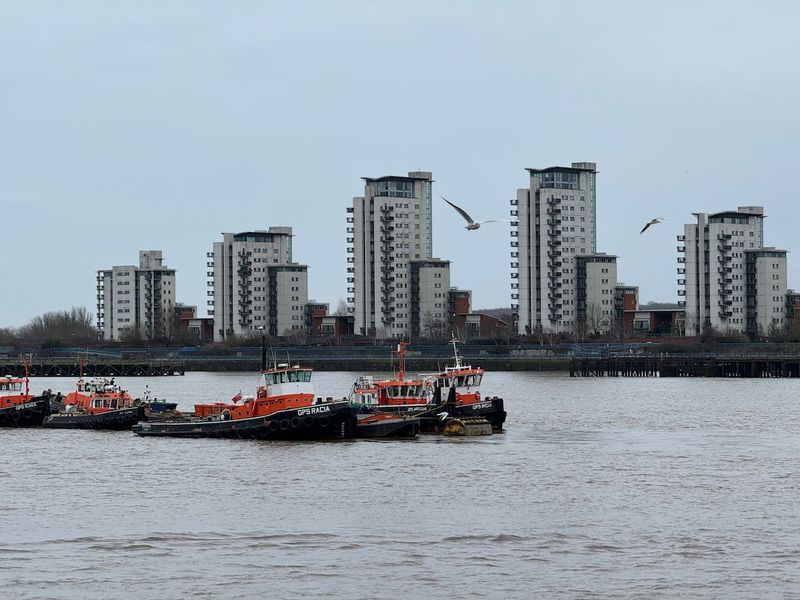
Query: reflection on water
599,487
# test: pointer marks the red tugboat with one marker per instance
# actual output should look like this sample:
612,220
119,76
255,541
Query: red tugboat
391,407
18,408
97,404
374,421
284,408
457,392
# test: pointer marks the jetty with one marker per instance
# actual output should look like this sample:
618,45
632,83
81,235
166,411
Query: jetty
687,365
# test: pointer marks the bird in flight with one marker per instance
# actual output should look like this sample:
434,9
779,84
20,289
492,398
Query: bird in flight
471,223
650,222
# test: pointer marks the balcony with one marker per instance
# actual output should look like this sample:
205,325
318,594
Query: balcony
350,209
681,282
681,292
681,248
210,265
514,213
514,286
349,219
513,202
210,293
209,255
681,259
681,238
681,302
681,271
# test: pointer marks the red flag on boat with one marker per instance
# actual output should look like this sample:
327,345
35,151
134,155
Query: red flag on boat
237,397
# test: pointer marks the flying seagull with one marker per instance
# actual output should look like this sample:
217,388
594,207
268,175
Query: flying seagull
471,223
650,222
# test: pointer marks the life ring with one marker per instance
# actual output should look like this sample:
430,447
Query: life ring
308,421
295,422
15,416
27,413
285,424
225,415
323,421
273,426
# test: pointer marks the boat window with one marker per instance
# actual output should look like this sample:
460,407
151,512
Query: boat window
478,379
292,376
114,403
306,376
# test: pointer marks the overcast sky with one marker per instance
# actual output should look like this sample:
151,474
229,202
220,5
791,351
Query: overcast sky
159,125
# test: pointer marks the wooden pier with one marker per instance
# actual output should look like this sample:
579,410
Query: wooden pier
772,366
65,367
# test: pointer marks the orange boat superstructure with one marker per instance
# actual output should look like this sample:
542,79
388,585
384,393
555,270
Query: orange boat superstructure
97,396
463,379
280,388
398,395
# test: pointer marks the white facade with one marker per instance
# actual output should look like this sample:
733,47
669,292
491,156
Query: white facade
136,300
255,285
766,290
712,268
430,285
596,283
553,221
387,228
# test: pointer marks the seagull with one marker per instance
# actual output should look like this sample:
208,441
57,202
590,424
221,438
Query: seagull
651,222
471,224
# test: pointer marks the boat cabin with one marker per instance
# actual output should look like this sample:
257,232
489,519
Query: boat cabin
11,386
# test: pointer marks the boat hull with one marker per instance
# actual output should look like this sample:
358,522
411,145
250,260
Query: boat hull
491,409
397,427
27,414
329,421
114,420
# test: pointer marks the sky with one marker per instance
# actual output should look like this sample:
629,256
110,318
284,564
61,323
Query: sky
159,125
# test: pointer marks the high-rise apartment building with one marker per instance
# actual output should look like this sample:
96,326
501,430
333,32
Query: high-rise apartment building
553,222
388,228
255,285
596,280
430,286
137,301
730,282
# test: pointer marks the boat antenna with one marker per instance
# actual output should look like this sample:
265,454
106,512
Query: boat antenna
263,349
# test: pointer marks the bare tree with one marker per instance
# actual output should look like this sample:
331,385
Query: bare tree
70,327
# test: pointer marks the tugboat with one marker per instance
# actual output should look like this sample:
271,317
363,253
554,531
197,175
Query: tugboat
18,408
457,392
284,408
391,407
97,404
372,422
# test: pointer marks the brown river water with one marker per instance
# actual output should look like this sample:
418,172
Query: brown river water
599,488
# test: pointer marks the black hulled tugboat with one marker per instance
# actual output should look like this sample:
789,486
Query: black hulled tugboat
97,404
18,407
457,393
284,408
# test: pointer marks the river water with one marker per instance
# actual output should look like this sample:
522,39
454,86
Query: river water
600,488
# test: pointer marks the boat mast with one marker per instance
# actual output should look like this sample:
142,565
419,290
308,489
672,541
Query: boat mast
27,362
455,352
401,357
